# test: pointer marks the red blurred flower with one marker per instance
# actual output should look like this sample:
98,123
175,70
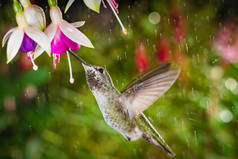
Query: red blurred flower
163,50
226,43
141,58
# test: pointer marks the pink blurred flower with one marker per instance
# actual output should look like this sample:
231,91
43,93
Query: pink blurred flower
226,43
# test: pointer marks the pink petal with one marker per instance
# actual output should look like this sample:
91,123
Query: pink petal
75,35
72,45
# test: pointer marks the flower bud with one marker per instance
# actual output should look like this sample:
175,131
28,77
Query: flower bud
35,16
55,15
25,3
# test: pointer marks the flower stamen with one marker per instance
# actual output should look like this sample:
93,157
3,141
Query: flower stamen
30,58
71,80
54,61
114,6
103,3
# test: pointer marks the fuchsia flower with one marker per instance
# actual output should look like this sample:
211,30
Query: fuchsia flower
63,37
24,37
112,3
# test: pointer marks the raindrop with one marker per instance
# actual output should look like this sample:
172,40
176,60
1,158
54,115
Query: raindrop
226,116
10,103
186,45
119,58
216,73
231,84
30,91
195,137
79,104
154,18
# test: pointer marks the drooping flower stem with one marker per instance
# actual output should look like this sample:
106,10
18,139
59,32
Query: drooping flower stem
52,3
124,30
17,7
71,80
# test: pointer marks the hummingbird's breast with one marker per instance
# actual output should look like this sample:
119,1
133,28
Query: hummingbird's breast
114,112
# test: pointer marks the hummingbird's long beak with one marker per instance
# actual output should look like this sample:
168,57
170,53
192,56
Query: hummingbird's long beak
78,58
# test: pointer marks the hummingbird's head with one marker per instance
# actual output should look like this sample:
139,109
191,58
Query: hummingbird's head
98,78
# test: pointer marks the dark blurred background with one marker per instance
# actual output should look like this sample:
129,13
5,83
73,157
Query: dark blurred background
42,115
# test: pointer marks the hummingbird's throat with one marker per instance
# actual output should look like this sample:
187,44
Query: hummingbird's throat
92,85
93,82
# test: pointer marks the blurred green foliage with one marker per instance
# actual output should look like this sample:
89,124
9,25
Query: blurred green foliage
43,116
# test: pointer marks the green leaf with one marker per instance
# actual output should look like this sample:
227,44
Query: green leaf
93,4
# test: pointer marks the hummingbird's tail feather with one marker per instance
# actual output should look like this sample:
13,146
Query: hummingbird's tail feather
152,136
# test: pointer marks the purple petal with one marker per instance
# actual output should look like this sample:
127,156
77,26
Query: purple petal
72,45
27,44
58,45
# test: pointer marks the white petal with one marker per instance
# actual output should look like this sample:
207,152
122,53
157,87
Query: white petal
70,2
75,35
78,24
7,35
50,33
14,44
39,37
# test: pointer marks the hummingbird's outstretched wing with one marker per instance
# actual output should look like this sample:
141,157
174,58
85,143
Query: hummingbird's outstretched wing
140,94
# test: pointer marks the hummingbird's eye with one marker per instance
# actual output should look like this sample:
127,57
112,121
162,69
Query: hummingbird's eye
100,70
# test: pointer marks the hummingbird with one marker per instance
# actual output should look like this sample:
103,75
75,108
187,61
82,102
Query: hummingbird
123,111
